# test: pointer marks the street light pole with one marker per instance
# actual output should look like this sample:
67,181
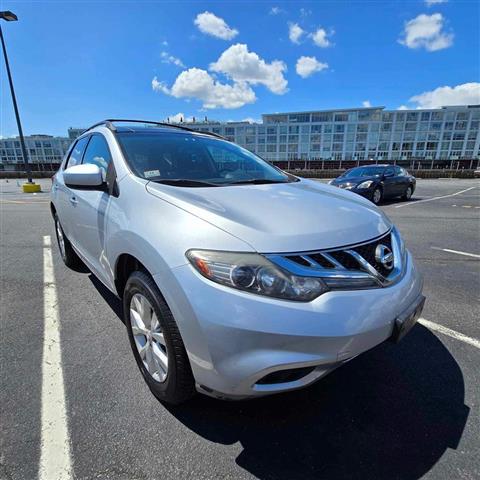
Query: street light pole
9,16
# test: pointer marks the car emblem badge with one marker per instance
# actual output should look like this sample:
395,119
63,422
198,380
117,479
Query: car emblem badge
384,256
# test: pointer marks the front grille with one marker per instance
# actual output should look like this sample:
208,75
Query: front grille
358,258
367,251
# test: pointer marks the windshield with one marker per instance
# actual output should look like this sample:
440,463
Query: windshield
193,160
364,172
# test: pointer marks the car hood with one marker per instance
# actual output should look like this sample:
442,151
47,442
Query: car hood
282,217
353,180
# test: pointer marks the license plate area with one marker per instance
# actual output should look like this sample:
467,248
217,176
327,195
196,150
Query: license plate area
404,322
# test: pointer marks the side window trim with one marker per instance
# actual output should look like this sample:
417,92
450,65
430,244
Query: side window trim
95,134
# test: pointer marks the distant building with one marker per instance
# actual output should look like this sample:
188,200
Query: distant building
74,132
359,134
435,137
43,150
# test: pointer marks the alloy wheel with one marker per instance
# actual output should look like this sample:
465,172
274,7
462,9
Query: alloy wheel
149,339
377,195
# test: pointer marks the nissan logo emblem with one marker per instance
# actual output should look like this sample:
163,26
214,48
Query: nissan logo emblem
384,256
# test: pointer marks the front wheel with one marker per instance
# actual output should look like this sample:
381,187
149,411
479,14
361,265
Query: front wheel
69,256
377,195
408,193
155,340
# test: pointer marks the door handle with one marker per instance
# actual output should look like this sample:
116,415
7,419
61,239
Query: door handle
73,200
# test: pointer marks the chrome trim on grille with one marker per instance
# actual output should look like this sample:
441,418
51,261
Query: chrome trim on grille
338,271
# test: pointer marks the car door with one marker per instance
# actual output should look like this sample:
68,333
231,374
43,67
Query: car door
91,205
65,196
389,182
403,180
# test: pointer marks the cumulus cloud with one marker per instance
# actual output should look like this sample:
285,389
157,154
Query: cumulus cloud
320,38
295,32
366,104
167,58
199,84
307,66
426,31
243,66
429,3
464,94
210,24
402,107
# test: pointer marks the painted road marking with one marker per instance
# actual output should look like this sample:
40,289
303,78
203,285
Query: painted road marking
23,202
434,198
449,332
55,461
458,252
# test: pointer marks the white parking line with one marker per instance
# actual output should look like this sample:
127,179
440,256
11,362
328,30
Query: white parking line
55,462
458,252
449,332
433,198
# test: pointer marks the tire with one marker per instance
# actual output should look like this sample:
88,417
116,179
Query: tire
175,383
408,193
377,195
68,254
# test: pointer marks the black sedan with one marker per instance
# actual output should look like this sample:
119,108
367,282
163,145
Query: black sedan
377,182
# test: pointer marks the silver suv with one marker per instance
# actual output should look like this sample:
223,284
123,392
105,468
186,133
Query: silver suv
237,279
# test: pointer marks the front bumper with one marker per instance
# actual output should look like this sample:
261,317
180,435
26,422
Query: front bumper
235,339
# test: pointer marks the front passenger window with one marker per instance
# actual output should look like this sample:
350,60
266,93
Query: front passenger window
76,154
98,153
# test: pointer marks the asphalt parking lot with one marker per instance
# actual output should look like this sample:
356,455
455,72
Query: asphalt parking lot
402,411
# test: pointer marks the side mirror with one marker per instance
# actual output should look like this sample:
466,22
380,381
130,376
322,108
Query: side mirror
84,176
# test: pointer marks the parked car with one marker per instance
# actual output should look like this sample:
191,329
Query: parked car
377,182
237,280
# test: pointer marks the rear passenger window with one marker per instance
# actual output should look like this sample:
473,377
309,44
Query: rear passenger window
76,154
98,153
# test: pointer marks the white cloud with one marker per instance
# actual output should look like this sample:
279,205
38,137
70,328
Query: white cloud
167,58
366,104
402,107
276,11
464,94
307,66
199,84
320,38
243,66
295,32
159,86
210,24
429,3
165,43
426,31
305,12
251,120
177,118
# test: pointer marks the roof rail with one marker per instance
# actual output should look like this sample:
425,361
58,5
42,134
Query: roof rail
109,123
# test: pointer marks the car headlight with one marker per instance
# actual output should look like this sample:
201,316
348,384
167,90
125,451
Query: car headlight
365,184
253,273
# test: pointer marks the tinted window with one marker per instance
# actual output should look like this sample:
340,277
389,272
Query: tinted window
364,172
389,171
161,156
399,171
98,153
77,152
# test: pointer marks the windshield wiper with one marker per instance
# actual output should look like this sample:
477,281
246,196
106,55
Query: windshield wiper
185,182
257,181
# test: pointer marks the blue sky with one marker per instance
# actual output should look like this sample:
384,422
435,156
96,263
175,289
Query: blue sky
75,63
